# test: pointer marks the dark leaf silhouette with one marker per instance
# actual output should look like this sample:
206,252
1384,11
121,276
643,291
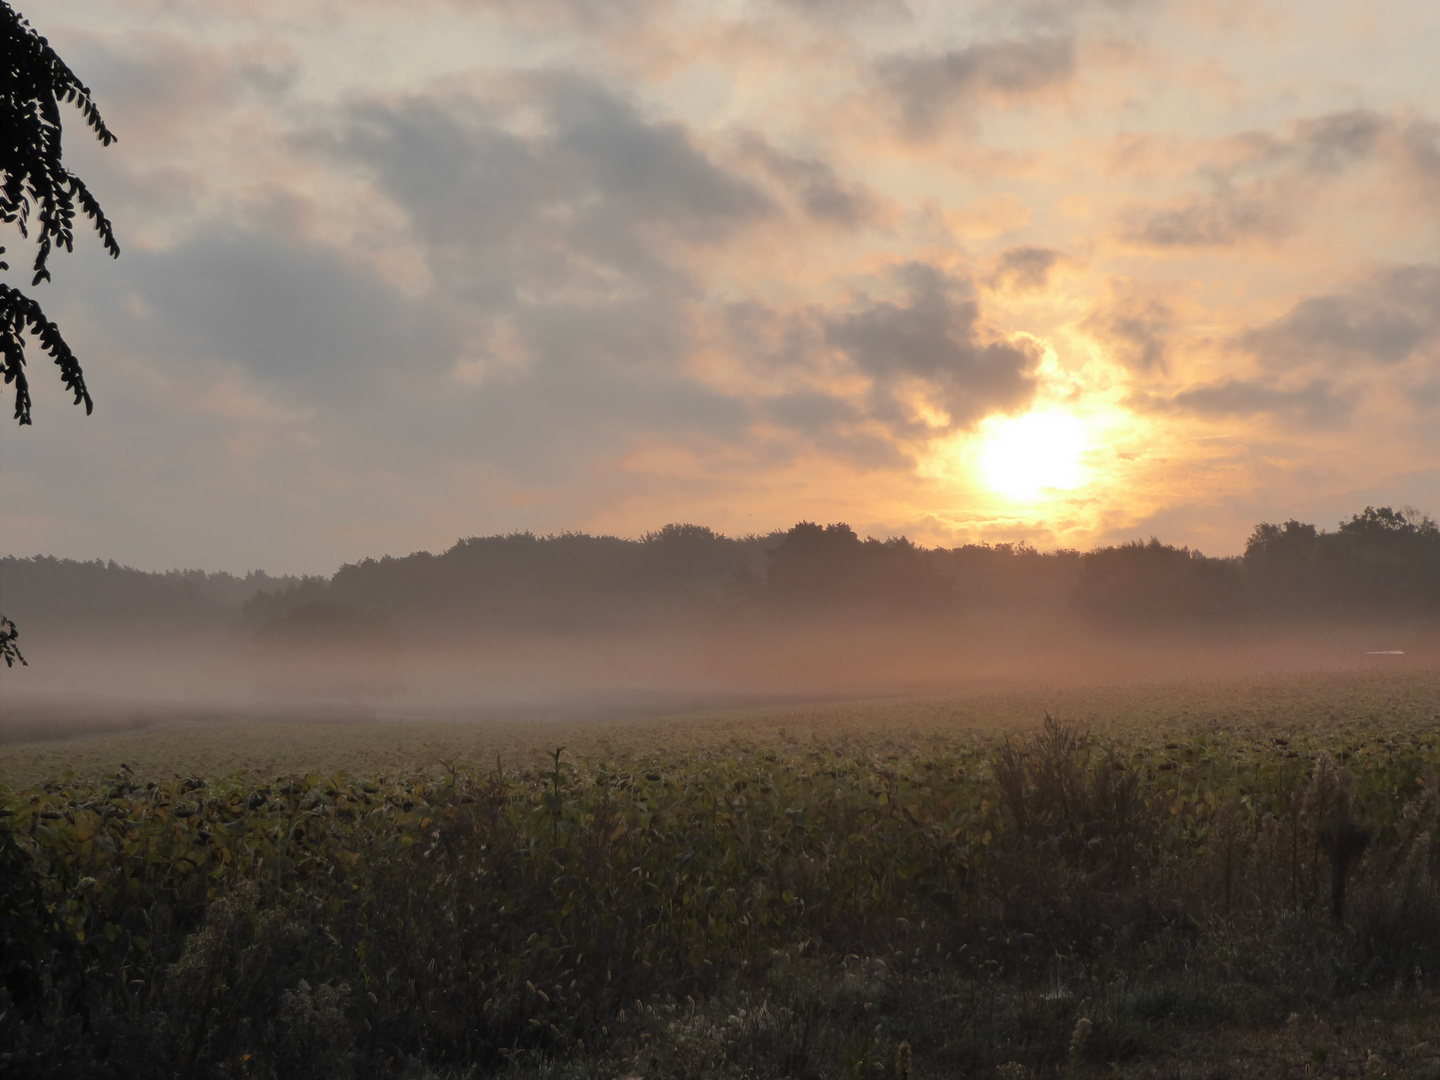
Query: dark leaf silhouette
39,195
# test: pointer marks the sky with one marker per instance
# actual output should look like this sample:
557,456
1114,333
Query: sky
1067,272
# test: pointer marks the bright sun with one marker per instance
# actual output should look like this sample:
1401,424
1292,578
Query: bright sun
1023,456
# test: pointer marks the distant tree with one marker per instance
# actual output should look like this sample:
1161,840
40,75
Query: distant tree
1390,560
40,197
817,568
1286,541
1010,574
1143,585
1289,568
1380,563
1384,524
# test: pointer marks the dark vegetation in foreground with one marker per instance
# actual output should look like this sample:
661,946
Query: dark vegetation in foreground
1052,906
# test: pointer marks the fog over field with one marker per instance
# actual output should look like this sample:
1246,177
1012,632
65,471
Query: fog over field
575,626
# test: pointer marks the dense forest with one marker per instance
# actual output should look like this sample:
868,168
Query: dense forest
1380,563
685,614
45,594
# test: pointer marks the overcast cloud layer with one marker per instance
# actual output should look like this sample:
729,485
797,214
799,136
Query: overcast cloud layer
395,274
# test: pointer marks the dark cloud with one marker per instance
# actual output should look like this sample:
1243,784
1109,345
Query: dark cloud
566,233
570,414
642,333
817,187
845,10
1259,183
1316,404
1335,142
288,313
811,411
162,79
1427,394
930,88
1025,269
1221,220
585,233
587,203
297,316
1420,141
1384,319
933,338
1332,143
771,341
836,426
651,169
574,227
1134,329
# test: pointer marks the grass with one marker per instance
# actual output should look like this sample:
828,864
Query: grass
939,887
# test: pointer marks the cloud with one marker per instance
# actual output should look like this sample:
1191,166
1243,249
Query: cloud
932,342
1315,404
587,197
293,315
836,427
1134,328
861,381
585,228
843,10
820,191
1025,269
933,88
1332,143
1217,221
299,319
652,169
1262,186
1384,319
157,87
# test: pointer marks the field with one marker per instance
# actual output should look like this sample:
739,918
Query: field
1201,880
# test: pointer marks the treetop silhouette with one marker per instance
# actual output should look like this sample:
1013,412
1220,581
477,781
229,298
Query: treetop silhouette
38,195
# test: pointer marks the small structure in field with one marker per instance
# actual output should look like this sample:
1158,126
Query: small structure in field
1382,658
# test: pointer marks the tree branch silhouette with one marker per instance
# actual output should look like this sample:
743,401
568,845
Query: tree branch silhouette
39,195
41,198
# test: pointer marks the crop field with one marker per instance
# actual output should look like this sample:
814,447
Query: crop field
1322,709
1203,880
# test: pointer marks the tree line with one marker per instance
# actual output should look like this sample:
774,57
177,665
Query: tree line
49,594
1380,564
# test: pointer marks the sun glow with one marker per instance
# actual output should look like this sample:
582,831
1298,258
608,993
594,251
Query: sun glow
1023,457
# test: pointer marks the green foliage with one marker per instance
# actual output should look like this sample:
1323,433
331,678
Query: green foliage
736,912
1079,829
